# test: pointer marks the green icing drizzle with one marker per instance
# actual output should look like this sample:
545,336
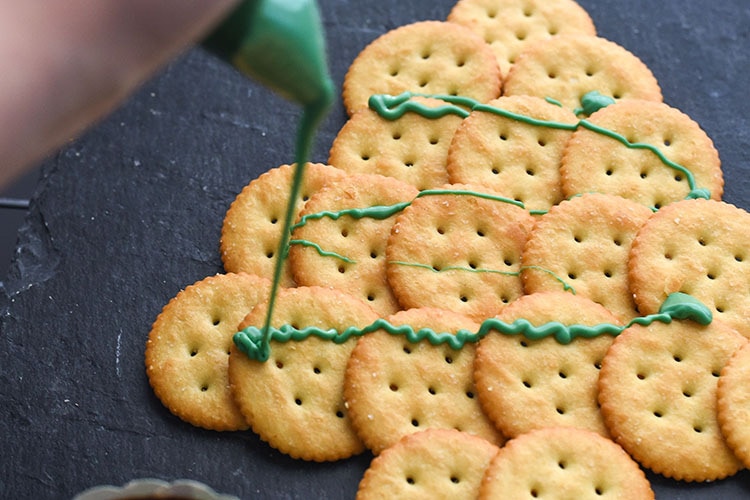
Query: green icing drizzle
592,102
255,344
394,107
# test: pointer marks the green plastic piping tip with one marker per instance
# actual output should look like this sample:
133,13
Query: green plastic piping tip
279,43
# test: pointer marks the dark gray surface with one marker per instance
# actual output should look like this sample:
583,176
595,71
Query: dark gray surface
129,214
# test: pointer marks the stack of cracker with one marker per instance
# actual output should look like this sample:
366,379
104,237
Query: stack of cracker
596,220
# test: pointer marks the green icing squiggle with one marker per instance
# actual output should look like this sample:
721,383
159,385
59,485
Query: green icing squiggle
394,107
256,345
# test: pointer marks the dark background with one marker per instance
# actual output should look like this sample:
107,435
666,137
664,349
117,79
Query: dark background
129,214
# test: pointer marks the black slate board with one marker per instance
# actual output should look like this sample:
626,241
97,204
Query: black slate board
129,214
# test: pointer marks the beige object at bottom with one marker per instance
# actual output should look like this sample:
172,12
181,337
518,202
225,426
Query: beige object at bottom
429,465
563,463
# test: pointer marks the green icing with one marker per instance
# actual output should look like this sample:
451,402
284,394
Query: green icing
592,102
394,107
254,342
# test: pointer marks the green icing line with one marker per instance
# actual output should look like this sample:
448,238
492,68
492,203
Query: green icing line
680,306
319,249
394,107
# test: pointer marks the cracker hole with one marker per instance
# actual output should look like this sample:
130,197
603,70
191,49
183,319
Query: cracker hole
552,75
562,374
193,353
658,414
590,72
431,390
521,36
508,262
523,343
698,428
455,480
598,365
716,373
410,480
599,490
739,258
407,349
434,140
618,95
677,358
274,220
448,360
553,30
440,230
340,414
461,62
641,376
534,492
480,233
527,384
495,171
473,265
464,298
572,276
342,269
409,164
719,308
503,137
394,72
279,365
609,171
668,256
528,12
423,83
608,273
414,422
316,370
270,254
216,321
617,242
204,387
542,143
644,174
667,142
702,242
711,276
687,393
371,297
373,254
344,232
393,387
305,197
530,172
560,410
396,136
365,157
561,464
470,394
298,401
426,55
678,178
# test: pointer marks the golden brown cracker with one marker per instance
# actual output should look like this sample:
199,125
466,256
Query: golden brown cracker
458,250
699,247
252,226
513,158
566,67
585,242
394,387
657,390
358,266
188,348
294,401
413,149
564,463
593,161
526,384
429,57
733,405
432,464
509,26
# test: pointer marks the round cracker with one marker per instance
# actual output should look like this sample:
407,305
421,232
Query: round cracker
513,158
188,347
294,401
252,226
509,26
413,149
428,57
585,242
699,247
734,403
657,390
564,463
394,388
458,251
436,463
361,241
567,67
528,384
596,162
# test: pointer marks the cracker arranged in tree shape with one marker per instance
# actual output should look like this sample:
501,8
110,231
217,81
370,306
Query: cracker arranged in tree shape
358,245
699,247
431,57
567,67
509,26
294,401
428,216
413,149
252,226
436,463
188,348
459,249
564,463
598,227
528,384
598,162
657,391
394,388
515,159
734,403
